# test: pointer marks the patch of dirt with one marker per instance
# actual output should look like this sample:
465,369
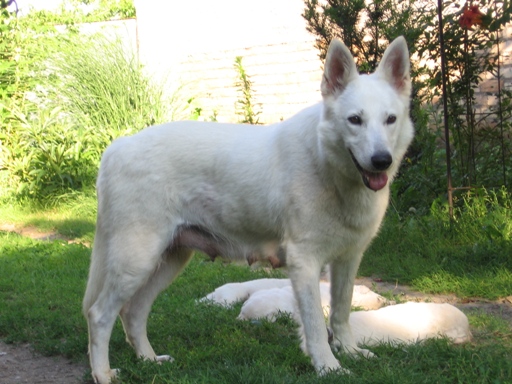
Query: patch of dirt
33,232
19,364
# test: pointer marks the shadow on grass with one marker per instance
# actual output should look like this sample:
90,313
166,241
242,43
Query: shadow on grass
71,229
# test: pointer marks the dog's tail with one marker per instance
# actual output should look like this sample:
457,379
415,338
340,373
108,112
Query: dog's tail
97,275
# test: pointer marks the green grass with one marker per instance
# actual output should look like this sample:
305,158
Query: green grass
42,284
470,258
74,217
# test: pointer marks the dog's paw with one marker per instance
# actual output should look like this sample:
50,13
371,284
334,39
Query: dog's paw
162,358
358,352
353,350
361,352
332,366
339,370
105,377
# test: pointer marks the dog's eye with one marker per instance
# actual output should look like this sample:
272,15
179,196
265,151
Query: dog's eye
391,119
356,120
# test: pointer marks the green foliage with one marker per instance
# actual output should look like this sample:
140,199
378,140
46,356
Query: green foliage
7,56
72,12
64,97
47,155
245,106
109,90
480,150
366,28
470,55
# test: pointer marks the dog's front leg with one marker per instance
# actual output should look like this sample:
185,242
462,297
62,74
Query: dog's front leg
304,273
343,273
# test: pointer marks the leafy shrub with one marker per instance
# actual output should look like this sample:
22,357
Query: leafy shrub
48,155
69,96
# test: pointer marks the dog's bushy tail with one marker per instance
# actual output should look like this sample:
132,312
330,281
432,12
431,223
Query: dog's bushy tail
97,275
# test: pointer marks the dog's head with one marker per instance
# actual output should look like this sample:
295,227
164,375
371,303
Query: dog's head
366,120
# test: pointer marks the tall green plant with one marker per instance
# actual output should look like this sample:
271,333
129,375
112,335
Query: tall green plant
245,106
471,34
102,83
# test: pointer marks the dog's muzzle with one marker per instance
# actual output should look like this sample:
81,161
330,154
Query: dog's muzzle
375,180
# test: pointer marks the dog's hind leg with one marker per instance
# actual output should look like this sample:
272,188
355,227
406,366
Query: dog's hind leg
129,261
135,312
343,272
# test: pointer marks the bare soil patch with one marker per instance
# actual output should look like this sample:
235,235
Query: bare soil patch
20,364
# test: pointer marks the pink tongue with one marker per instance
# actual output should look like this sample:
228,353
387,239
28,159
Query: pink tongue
376,181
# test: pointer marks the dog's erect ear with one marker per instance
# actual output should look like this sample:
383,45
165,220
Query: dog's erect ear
339,69
395,66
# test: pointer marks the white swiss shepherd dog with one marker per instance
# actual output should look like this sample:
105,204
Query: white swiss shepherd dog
312,189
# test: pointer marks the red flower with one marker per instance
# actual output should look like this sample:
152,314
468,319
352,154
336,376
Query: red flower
470,16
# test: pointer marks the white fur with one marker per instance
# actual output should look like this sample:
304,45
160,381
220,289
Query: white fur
409,323
240,191
232,293
269,303
401,323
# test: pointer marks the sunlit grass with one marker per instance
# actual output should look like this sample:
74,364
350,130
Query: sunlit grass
42,284
41,287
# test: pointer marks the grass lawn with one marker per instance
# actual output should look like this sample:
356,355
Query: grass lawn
42,284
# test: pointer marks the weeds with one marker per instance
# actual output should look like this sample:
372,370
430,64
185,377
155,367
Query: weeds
245,107
63,110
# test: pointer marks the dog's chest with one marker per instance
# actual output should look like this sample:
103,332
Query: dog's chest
355,221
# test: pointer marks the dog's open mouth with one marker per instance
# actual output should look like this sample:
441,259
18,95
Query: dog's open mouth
373,180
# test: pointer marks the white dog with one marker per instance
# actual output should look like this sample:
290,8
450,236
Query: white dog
401,323
313,188
232,293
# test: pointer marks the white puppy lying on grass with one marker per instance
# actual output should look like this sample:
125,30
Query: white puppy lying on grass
233,293
401,323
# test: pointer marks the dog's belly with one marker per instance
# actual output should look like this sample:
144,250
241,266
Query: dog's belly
213,245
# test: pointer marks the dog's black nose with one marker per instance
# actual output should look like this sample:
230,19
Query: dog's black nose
382,160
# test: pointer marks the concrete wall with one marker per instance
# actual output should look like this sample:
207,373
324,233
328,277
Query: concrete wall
194,44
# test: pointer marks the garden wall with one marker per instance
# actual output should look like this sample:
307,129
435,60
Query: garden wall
193,45
487,89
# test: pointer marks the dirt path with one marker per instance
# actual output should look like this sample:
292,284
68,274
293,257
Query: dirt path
19,364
